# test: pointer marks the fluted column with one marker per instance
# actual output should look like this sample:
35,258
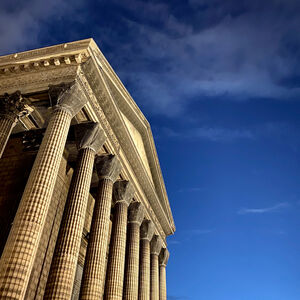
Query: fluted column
131,280
108,169
163,260
63,268
156,245
146,232
122,196
12,107
20,250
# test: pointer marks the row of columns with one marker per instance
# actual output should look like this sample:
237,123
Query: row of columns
133,270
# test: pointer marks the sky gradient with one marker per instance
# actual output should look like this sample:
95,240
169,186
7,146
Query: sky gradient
219,82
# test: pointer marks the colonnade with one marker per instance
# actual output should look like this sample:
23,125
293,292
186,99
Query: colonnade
135,268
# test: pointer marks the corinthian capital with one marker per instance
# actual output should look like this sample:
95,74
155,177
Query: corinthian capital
123,191
89,135
164,256
136,213
156,244
108,167
68,96
147,230
14,105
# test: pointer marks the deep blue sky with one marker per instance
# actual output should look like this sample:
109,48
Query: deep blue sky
219,82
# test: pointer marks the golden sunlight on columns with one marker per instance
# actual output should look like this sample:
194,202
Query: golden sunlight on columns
21,247
155,245
131,280
146,232
163,260
122,196
90,139
108,169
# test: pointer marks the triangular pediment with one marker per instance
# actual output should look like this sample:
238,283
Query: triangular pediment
139,143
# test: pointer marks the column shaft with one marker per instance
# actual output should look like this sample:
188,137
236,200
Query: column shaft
93,274
21,247
64,263
162,283
116,259
131,282
7,124
154,291
144,278
163,260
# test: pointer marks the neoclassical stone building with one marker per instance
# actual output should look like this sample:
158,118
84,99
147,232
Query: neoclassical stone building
84,213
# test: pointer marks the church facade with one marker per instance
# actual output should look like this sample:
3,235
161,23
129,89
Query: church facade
84,212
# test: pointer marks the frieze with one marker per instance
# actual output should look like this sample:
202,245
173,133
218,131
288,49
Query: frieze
53,62
37,80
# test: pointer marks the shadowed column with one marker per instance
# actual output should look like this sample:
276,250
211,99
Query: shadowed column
90,139
122,196
146,233
108,169
12,107
163,260
156,245
19,253
131,280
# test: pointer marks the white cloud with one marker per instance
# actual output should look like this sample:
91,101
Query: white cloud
239,57
191,189
214,134
274,208
21,21
174,242
200,231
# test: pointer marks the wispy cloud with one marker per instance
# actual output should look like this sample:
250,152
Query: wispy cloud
177,297
276,207
174,242
221,134
268,130
213,134
191,189
21,22
199,231
239,51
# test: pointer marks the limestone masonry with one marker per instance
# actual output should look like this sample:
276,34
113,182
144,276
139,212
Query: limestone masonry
84,212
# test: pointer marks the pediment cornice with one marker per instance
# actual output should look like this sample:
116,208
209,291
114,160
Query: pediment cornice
127,105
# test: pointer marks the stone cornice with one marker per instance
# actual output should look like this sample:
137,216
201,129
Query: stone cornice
36,65
66,53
